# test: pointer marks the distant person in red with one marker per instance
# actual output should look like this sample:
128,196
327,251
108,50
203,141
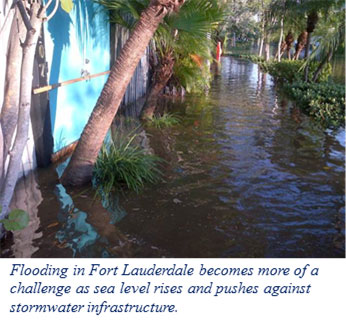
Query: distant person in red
218,51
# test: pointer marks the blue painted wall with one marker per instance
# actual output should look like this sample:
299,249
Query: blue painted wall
76,43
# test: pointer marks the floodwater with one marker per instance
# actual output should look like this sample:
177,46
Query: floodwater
248,175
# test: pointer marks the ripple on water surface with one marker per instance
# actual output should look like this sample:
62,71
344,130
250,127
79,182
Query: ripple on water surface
248,176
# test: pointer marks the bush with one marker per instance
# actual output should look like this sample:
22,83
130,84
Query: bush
325,102
123,163
250,57
292,71
192,77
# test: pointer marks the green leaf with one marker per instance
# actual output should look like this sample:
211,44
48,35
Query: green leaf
17,220
66,5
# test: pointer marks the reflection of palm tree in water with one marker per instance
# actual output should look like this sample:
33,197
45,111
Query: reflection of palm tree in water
261,83
296,114
92,232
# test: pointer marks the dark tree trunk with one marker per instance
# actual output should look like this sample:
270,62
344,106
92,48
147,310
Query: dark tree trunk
306,56
289,40
161,76
326,60
286,45
307,46
311,25
79,170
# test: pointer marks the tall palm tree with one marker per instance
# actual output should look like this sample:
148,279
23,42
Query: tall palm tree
330,34
301,44
178,40
315,9
184,41
80,167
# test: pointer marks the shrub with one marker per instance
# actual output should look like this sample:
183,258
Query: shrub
325,102
250,57
121,162
192,77
292,71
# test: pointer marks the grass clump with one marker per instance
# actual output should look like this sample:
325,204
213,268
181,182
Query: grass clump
166,120
123,163
325,102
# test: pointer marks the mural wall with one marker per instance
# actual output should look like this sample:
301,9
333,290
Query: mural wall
77,44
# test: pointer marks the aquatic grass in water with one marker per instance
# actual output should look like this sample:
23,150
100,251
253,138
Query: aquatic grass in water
166,120
122,163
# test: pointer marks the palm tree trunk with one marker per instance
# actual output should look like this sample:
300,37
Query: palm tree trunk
306,56
307,46
326,60
289,40
79,170
161,76
301,44
311,25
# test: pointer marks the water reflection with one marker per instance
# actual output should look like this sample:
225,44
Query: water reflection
248,175
27,197
75,232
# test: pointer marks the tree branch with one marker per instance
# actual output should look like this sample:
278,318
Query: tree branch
23,13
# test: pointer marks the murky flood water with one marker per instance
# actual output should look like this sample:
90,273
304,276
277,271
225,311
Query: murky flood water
247,176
